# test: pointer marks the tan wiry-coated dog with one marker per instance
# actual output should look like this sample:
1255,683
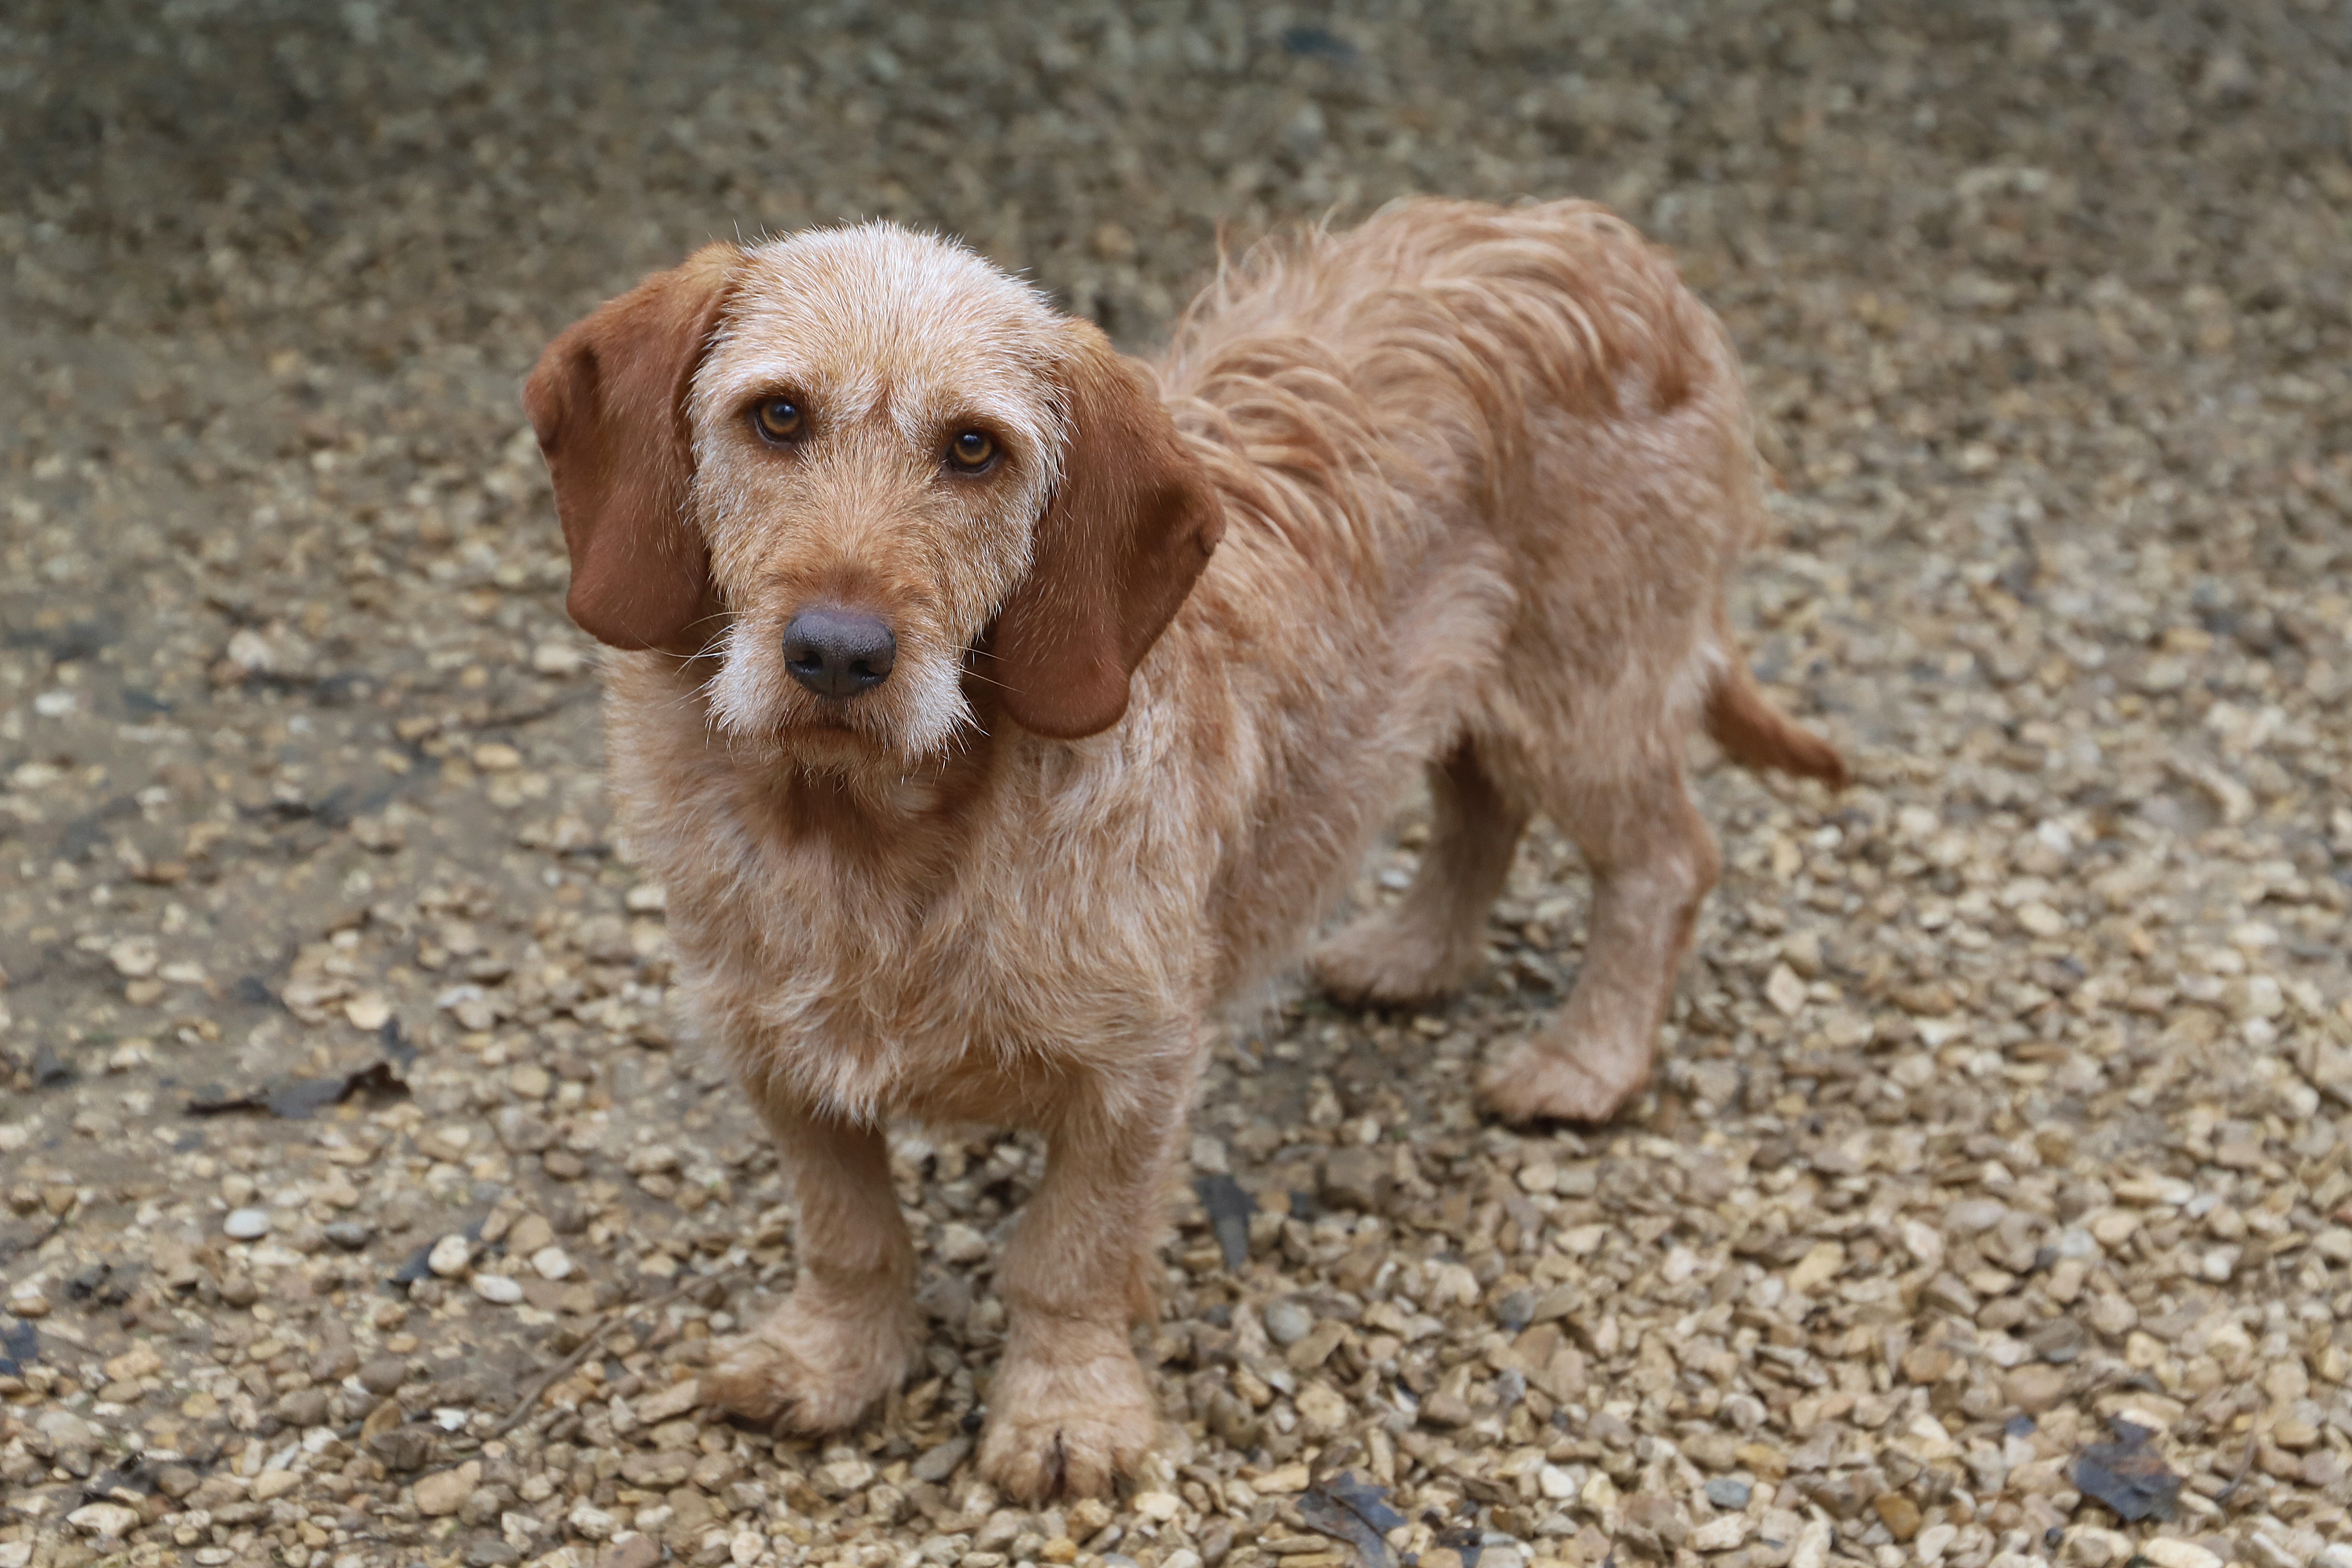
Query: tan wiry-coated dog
997,705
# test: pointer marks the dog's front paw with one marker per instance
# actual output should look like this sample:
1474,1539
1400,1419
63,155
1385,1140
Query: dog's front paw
812,1371
1543,1080
1066,1429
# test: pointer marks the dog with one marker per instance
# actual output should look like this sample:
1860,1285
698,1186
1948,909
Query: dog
993,706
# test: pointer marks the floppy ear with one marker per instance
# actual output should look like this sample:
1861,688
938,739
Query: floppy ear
608,402
1128,529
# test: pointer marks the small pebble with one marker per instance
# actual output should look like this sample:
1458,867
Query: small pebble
384,1374
937,1464
246,1225
105,1519
1288,1321
961,1244
497,1289
450,1256
593,1522
1728,1492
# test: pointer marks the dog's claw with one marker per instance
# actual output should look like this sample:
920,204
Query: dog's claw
1072,1437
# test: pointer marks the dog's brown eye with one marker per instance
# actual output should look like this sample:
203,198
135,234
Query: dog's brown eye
780,420
972,451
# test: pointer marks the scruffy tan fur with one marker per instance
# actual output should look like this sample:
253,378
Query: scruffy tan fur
1479,474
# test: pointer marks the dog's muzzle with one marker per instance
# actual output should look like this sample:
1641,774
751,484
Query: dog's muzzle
838,653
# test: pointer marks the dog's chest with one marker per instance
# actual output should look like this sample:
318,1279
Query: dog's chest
923,970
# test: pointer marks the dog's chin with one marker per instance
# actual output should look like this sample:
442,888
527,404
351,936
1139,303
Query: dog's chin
823,737
834,742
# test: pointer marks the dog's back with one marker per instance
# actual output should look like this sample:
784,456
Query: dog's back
1485,470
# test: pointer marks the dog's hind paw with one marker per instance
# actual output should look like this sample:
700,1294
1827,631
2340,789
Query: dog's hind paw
1382,961
808,1372
1539,1081
1057,1432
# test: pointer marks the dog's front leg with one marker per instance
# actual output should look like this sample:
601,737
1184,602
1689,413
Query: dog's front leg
1069,1409
841,1341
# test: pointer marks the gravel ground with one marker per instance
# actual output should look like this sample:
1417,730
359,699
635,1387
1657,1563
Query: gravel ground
2009,1096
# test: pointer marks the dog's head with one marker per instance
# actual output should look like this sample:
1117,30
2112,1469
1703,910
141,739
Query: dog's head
851,465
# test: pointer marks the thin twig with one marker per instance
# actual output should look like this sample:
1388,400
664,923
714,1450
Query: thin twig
27,1248
2245,1468
587,1347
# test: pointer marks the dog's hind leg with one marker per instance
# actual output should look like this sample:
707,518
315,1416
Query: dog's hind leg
1653,862
1432,940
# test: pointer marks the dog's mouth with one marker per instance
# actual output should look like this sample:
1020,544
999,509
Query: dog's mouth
833,736
823,718
902,704
823,727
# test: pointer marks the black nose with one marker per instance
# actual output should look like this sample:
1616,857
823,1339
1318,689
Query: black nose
838,653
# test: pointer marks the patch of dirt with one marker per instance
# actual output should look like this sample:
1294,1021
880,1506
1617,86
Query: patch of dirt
2006,1094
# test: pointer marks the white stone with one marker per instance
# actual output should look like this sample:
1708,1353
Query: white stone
1555,1483
592,1522
449,1257
246,1225
496,1289
2094,1546
1721,1533
849,1472
271,1484
2039,919
961,1244
551,1263
2168,1551
110,1519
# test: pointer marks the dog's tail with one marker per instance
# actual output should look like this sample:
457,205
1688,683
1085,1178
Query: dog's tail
1743,721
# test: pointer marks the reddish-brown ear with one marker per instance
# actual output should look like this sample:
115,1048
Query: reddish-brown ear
608,402
1128,529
